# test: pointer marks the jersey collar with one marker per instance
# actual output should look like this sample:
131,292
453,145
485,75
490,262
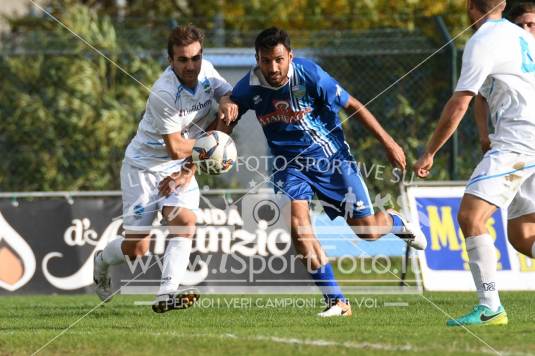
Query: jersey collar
495,20
256,78
181,87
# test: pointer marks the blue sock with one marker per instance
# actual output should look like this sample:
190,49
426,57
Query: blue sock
397,223
324,278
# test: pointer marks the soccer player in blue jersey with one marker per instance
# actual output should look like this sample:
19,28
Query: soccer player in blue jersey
297,104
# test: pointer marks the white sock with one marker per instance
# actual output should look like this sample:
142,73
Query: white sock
483,264
175,263
112,253
533,250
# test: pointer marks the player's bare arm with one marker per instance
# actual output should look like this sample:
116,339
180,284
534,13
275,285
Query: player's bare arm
178,179
450,119
481,114
394,151
178,146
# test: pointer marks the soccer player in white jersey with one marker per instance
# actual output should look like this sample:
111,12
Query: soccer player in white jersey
504,54
522,15
157,174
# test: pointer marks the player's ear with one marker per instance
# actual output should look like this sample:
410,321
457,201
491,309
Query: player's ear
170,60
256,56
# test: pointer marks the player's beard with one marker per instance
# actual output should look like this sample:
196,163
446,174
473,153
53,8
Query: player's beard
276,79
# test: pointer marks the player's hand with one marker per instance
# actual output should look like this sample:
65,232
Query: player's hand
175,181
228,110
484,143
422,167
396,156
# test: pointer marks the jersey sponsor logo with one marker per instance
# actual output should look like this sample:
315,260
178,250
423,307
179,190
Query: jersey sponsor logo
283,113
194,108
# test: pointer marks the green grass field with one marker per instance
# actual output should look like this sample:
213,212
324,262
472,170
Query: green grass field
220,326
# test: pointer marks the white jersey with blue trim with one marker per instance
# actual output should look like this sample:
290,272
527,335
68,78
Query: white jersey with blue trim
171,108
499,63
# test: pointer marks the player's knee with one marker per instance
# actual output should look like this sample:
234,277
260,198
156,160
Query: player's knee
469,222
182,223
135,247
183,228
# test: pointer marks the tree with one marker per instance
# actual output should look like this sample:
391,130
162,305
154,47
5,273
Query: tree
66,119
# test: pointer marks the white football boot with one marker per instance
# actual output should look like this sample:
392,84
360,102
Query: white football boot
102,278
410,233
338,309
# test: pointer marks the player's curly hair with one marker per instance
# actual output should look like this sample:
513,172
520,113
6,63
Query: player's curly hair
271,37
521,9
184,36
487,6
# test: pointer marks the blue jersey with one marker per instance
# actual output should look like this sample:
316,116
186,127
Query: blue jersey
300,117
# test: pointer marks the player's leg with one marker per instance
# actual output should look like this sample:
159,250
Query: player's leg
381,223
296,186
495,182
180,219
521,234
305,242
181,222
139,209
521,224
308,246
366,223
116,251
371,227
473,216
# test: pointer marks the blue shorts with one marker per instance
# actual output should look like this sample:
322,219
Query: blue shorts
339,186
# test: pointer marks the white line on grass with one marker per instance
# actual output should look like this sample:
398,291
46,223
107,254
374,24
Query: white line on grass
328,343
316,342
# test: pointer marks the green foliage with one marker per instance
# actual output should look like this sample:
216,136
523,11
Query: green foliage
66,120
67,113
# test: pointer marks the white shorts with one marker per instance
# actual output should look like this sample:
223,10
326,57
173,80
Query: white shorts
505,179
141,199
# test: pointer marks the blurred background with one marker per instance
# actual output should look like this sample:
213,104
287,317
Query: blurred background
67,113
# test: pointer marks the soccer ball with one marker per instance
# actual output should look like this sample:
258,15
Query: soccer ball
214,153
